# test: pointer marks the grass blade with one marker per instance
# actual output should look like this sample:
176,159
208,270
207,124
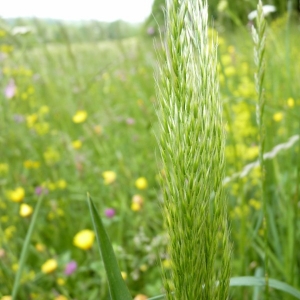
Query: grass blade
255,281
260,281
117,287
25,249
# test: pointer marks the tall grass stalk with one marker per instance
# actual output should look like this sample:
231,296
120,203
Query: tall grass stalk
259,39
192,145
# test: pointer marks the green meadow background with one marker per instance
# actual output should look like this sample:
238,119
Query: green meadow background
78,114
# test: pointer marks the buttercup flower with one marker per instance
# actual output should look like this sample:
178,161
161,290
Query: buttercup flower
17,195
6,298
290,102
49,266
40,247
4,168
278,117
109,177
135,206
60,281
140,297
84,239
141,183
80,116
25,210
41,190
124,275
61,297
137,202
76,144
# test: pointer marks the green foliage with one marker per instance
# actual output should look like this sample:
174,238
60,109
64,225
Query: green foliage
117,288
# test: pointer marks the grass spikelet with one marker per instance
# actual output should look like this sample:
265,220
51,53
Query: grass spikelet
259,38
192,145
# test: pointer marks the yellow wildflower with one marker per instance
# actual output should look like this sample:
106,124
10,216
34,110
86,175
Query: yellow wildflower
140,297
60,281
25,210
6,298
141,183
43,110
255,204
61,297
31,120
124,275
9,231
109,177
4,168
2,33
137,202
42,128
24,96
135,206
144,268
76,144
16,195
6,48
15,267
277,117
4,219
290,102
61,184
98,129
30,90
84,239
49,266
40,247
30,164
166,263
51,156
229,71
226,59
80,116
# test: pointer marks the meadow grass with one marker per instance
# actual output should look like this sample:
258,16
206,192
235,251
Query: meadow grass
44,151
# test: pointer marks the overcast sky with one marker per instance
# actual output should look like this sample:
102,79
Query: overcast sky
103,10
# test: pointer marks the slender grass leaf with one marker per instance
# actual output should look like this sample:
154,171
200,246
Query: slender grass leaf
255,281
257,289
260,281
25,248
157,297
117,287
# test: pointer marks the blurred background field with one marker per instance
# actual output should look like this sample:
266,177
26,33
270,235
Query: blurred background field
78,114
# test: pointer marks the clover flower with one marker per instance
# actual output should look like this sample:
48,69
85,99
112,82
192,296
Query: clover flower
70,267
110,212
10,89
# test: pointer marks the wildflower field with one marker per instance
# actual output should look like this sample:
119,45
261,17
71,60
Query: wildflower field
82,117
